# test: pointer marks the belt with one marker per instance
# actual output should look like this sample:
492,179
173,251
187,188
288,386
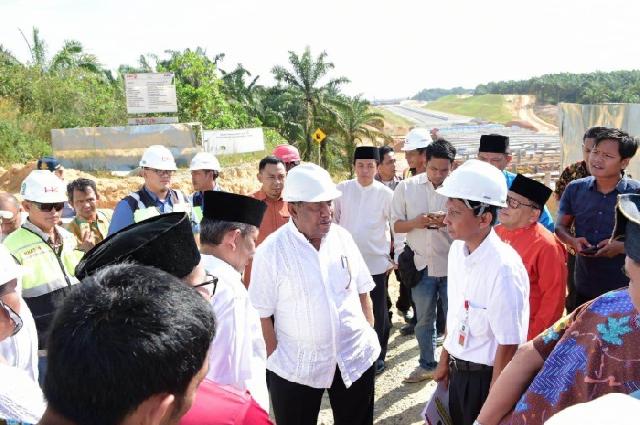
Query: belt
465,366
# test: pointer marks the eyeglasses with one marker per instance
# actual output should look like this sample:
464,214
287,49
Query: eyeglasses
209,280
47,207
515,204
161,172
15,318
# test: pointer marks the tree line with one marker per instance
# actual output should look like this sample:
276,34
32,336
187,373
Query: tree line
594,87
71,88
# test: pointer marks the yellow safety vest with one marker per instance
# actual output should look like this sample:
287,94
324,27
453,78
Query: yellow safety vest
46,276
142,212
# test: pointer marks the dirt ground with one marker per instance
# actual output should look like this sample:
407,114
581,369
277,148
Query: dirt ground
395,401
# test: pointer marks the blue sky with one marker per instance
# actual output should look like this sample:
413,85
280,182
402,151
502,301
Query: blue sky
387,48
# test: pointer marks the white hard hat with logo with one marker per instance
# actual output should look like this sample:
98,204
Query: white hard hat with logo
43,186
417,138
309,183
476,181
204,161
158,157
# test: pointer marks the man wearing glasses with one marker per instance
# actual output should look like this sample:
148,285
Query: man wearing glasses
10,217
543,255
156,196
47,252
228,235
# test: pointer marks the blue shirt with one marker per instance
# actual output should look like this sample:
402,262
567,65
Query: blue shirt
123,214
545,217
594,218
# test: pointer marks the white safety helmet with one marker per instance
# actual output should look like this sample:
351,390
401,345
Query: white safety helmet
309,183
476,181
417,138
43,186
204,161
159,158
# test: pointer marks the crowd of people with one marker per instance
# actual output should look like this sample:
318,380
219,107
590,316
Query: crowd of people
220,308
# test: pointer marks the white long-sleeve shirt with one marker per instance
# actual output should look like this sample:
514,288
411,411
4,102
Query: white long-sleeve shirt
365,211
314,297
238,355
413,197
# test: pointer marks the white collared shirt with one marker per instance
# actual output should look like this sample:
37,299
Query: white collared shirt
365,211
413,197
238,355
21,350
495,282
314,298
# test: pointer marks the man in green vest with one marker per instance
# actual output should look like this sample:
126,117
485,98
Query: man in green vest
90,224
156,195
46,251
205,170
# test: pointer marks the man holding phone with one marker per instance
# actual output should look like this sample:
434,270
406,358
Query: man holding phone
589,205
417,211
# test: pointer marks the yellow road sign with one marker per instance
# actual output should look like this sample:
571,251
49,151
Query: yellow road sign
319,135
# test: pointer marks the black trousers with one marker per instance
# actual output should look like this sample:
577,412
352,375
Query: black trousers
296,404
441,318
467,393
382,324
570,302
404,298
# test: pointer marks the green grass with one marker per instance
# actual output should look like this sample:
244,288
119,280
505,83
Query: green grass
490,107
393,119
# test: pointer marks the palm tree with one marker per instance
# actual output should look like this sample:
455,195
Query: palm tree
305,82
355,123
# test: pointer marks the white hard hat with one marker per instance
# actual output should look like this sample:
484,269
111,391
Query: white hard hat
476,181
204,161
9,269
612,408
43,186
309,183
158,157
417,138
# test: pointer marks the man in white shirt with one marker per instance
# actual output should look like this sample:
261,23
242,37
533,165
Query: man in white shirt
228,234
488,290
364,209
417,210
310,276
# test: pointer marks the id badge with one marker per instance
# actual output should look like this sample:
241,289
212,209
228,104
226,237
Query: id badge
463,333
463,327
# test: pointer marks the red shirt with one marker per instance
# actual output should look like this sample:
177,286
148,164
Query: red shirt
545,259
217,404
276,215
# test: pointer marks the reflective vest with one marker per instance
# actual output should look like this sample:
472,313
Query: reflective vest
47,277
144,207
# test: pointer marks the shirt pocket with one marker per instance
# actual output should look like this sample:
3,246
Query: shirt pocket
478,321
341,276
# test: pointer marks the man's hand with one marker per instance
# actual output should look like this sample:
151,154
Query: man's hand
421,221
441,374
88,241
579,244
609,249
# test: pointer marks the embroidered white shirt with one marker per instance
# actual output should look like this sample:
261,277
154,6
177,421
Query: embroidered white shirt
495,282
413,197
238,355
365,211
314,298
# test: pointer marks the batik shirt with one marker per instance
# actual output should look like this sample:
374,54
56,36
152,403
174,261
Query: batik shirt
590,353
572,172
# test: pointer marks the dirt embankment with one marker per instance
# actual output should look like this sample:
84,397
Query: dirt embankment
240,179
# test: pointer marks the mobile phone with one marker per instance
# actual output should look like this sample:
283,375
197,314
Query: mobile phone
590,251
